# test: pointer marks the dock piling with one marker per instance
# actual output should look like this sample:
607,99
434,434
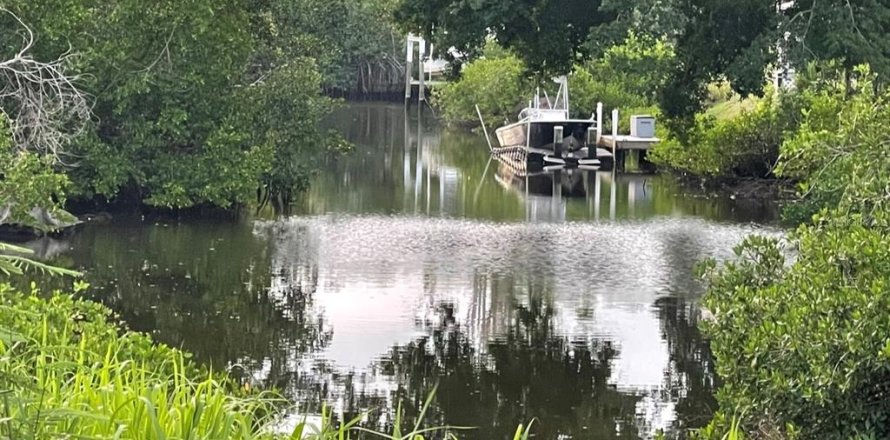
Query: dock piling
409,62
599,122
557,141
617,155
421,93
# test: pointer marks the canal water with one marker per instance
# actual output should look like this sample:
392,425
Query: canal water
416,262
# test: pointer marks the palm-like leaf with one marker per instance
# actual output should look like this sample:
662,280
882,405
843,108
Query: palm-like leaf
14,262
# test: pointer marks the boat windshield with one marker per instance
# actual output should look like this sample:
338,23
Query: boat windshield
542,108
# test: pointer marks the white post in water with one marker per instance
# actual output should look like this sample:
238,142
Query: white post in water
432,52
565,84
615,126
599,122
421,65
409,58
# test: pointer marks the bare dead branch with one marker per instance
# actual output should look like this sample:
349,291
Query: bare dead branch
45,108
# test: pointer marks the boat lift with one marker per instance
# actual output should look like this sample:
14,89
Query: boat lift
427,66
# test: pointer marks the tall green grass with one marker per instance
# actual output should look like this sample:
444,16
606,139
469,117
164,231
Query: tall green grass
67,370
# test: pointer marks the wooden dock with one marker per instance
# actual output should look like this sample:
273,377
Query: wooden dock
622,142
428,83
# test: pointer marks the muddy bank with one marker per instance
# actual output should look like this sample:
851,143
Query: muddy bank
746,188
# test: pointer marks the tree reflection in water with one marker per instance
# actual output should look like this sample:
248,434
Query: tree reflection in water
506,344
203,287
529,372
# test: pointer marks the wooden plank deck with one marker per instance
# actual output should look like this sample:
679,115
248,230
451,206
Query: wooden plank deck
623,142
428,83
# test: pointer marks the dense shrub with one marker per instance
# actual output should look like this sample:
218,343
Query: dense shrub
744,146
804,346
839,134
498,85
587,90
628,75
28,181
808,345
180,92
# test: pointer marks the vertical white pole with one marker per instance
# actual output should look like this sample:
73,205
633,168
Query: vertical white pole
430,73
421,64
599,122
565,83
597,198
409,57
615,125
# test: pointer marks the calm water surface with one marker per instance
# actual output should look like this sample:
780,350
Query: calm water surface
416,261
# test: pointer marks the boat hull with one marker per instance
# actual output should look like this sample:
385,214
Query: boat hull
538,135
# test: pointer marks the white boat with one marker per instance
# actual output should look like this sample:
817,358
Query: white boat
545,129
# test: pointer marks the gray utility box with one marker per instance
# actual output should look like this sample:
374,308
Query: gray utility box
642,126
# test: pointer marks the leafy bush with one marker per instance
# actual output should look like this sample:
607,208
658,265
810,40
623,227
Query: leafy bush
628,75
586,91
804,346
808,345
842,132
747,145
498,85
717,92
29,181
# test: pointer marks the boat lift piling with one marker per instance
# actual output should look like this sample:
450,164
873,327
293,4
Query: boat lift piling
426,67
409,67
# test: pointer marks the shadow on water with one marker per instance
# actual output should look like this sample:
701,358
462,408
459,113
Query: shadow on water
566,297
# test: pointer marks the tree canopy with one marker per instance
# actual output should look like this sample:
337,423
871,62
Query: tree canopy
737,40
547,35
742,40
192,104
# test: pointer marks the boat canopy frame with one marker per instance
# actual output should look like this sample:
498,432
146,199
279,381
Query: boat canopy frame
543,109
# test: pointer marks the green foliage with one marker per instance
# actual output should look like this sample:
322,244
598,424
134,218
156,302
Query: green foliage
627,75
721,428
842,135
497,85
292,134
714,40
803,345
744,146
807,345
736,40
354,43
720,39
29,181
14,261
182,102
852,32
546,35
68,371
